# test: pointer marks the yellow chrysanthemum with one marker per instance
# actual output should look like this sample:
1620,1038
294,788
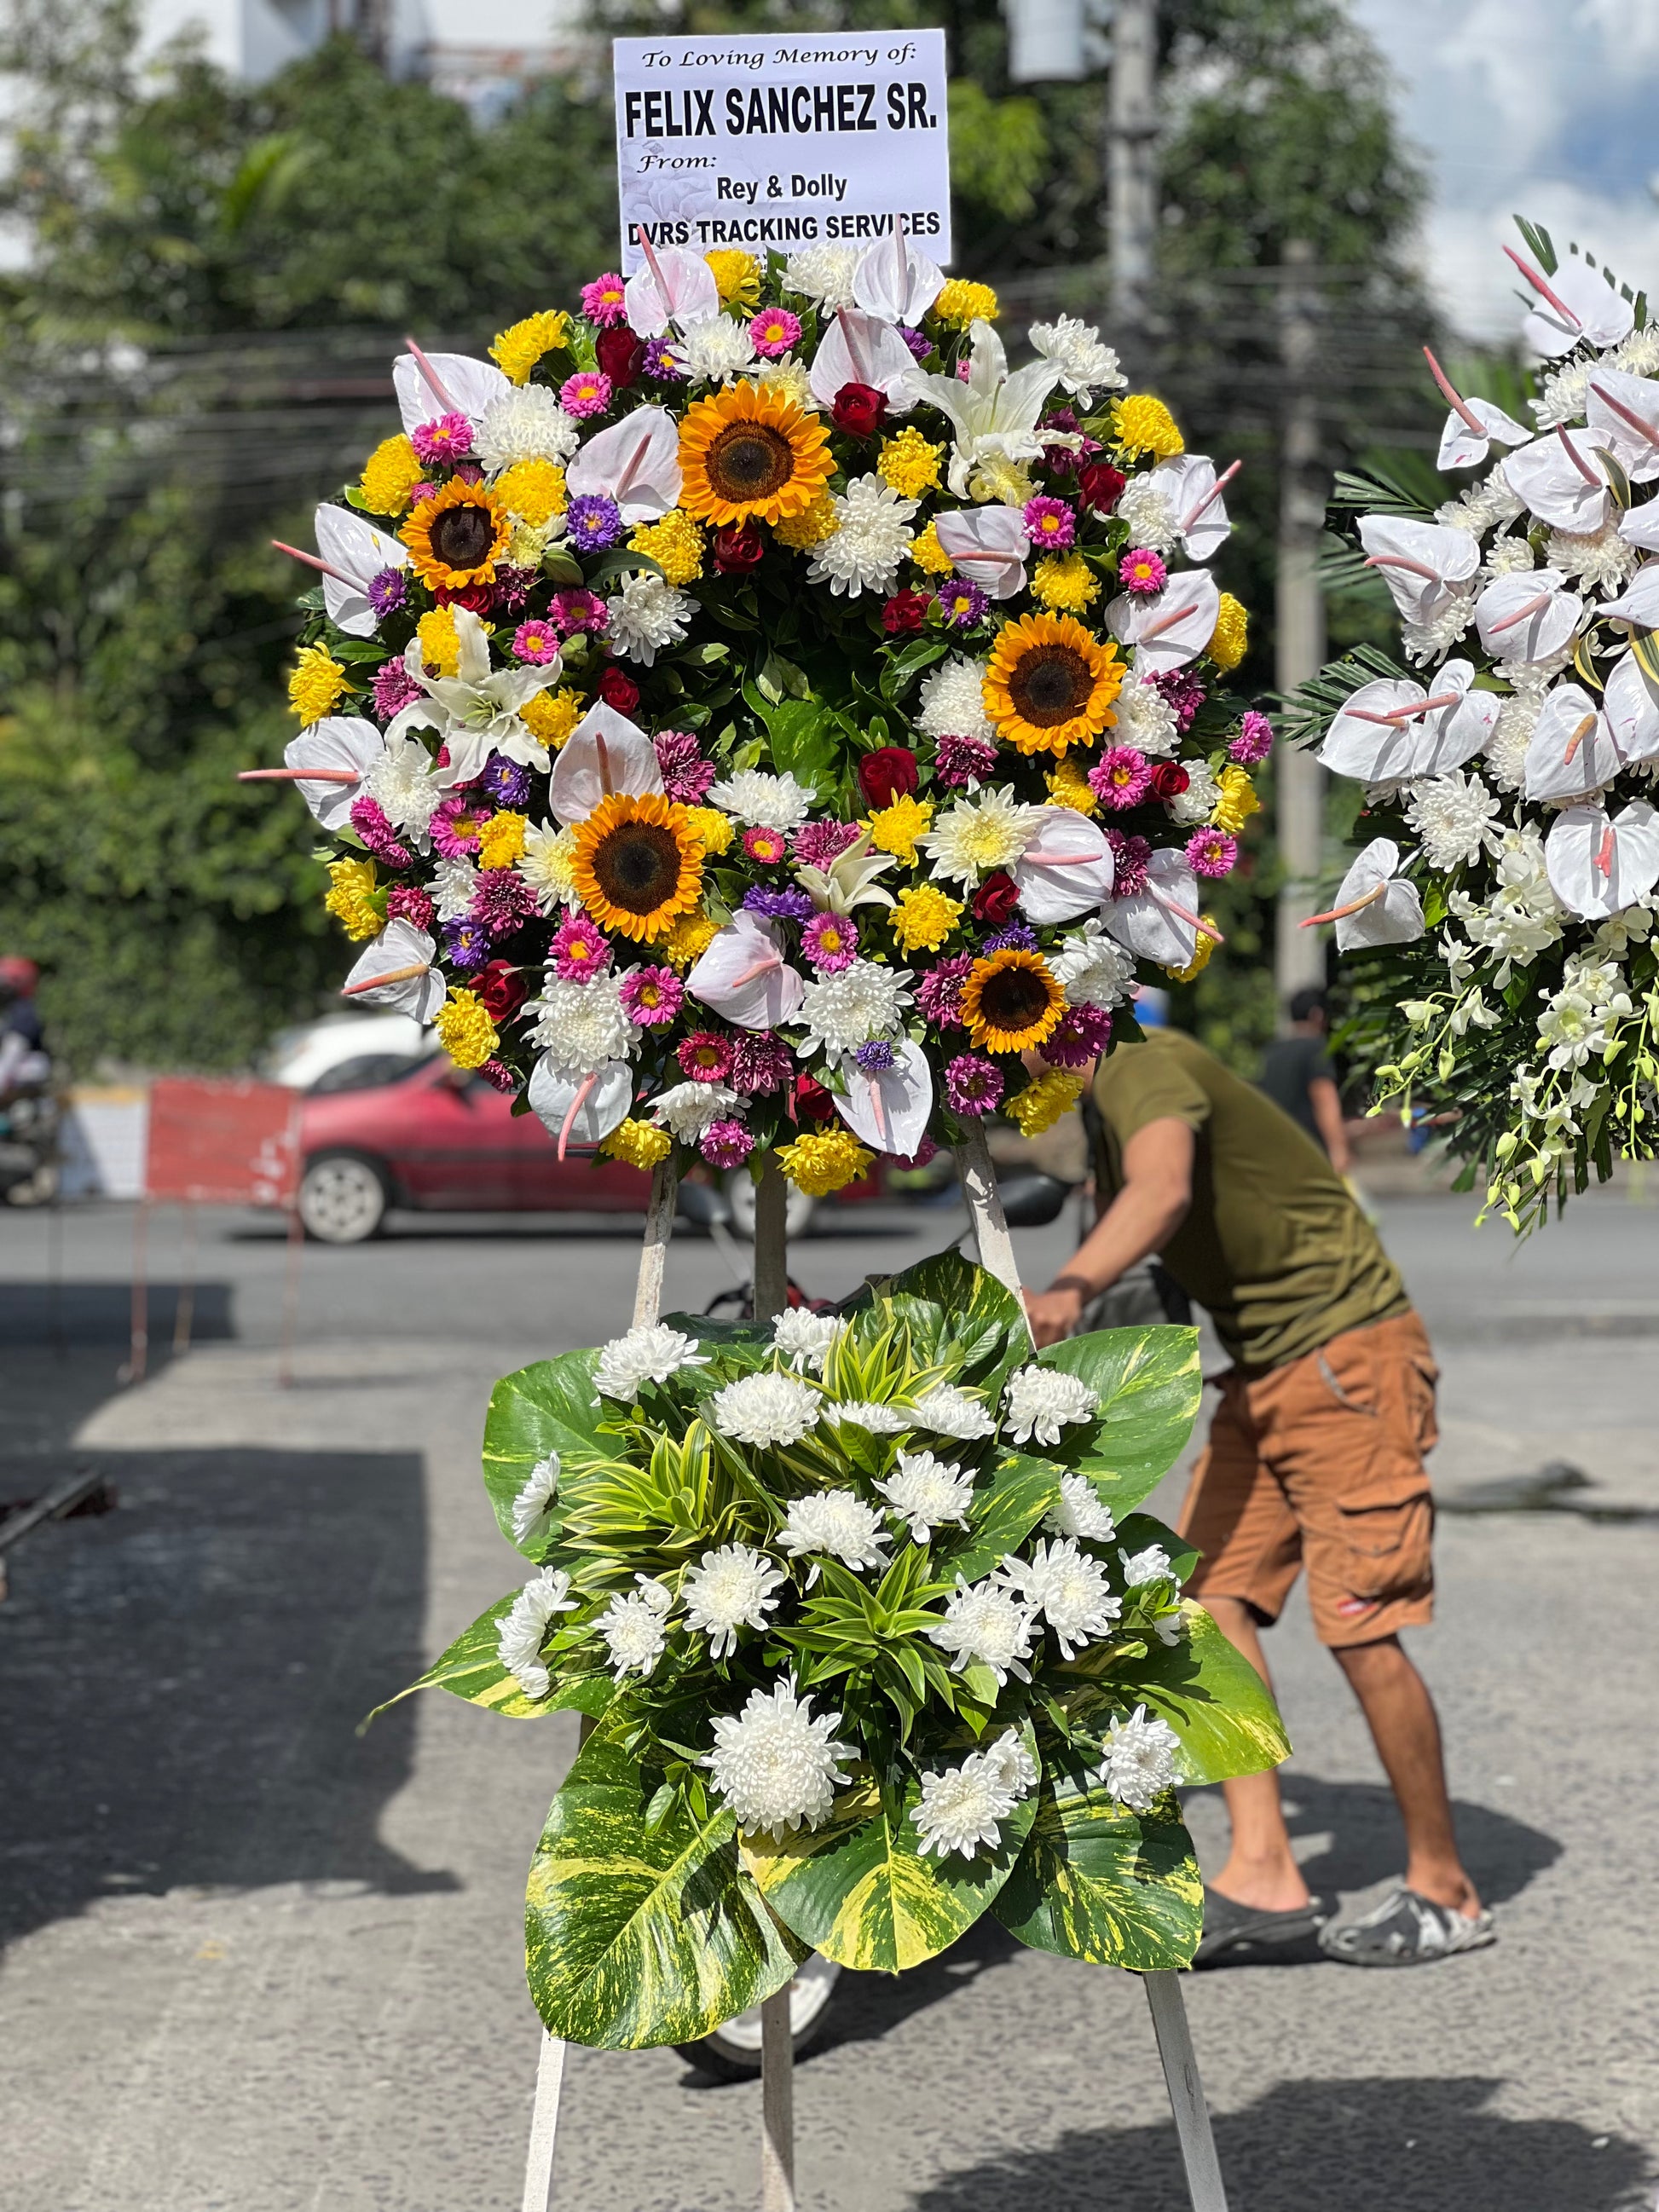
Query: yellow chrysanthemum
639,865
960,303
1045,1102
737,277
1069,786
747,454
675,545
456,537
801,532
824,1161
1142,424
441,646
1066,583
351,899
520,346
688,939
390,474
923,917
1010,483
716,829
534,491
501,841
550,716
1236,804
909,464
317,685
896,829
465,1029
1231,634
1011,1000
929,556
637,1144
1049,683
1200,959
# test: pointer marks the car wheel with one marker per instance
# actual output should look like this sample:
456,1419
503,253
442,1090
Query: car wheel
797,1208
344,1199
732,2052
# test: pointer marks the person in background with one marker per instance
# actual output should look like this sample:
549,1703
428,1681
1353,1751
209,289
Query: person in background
24,1064
1298,1076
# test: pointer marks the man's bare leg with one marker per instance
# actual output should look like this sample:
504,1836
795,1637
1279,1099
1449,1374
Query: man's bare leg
1260,1868
1400,1713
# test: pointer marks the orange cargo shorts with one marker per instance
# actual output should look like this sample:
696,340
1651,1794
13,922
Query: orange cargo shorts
1319,1463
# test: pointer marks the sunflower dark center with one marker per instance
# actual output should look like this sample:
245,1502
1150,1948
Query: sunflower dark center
1013,999
637,867
749,461
1050,683
462,536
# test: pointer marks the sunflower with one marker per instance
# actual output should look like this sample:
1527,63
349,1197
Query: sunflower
751,455
1050,683
638,865
1010,1002
456,537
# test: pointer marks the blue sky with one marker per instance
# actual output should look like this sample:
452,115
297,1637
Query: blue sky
1549,109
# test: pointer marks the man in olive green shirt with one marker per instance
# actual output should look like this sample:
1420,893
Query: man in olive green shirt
1315,1457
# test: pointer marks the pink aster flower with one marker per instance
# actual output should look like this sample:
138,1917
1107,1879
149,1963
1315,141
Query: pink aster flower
760,1062
394,689
960,763
449,438
973,1085
1083,1034
1211,853
926,1150
1122,777
766,846
1255,740
605,301
578,950
1050,523
726,1144
456,823
772,332
831,942
1142,572
535,641
503,901
499,1076
584,394
409,902
1129,859
578,609
705,1056
686,775
368,819
819,844
939,993
651,997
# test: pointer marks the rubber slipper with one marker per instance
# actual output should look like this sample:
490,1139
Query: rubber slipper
1407,1930
1232,1927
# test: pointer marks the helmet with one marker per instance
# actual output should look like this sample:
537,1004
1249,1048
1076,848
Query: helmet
18,975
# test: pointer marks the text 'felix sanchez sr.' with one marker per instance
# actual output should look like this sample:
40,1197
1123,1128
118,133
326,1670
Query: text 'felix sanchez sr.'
774,111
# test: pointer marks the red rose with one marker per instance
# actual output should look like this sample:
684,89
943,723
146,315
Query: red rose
477,599
501,989
889,774
996,898
621,356
1101,486
904,612
619,691
1169,780
812,1102
859,410
737,546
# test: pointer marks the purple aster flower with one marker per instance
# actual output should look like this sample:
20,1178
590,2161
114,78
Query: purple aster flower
506,782
466,945
592,522
1142,573
387,591
663,362
779,906
394,689
829,941
961,764
579,610
368,819
1255,740
1184,693
1122,777
409,902
760,1062
1211,853
973,1085
1082,1035
503,901
876,1057
651,997
1129,859
726,1144
686,775
1015,937
962,604
603,300
1050,523
939,993
578,950
820,844
447,438
918,341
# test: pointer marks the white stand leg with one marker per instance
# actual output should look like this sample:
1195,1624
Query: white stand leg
777,2107
978,1187
653,1255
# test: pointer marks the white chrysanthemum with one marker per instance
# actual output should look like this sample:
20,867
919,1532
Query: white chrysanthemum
399,781
823,273
1564,396
1600,559
686,1109
984,1626
760,800
1639,352
964,1806
1147,720
1144,505
975,836
1201,797
1039,1399
548,864
949,1412
1168,1622
527,424
1506,748
1481,507
926,1492
634,1628
1092,968
647,615
729,1589
1070,1590
452,887
1140,1759
1512,555
530,1506
953,701
653,1353
880,1421
1080,1512
582,1025
1428,640
864,553
804,1337
790,379
1085,365
838,1521
1151,1565
845,1011
714,348
1019,1771
1452,815
765,1410
519,1634
775,1765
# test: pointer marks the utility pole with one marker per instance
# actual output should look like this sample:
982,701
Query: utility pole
1298,780
1132,166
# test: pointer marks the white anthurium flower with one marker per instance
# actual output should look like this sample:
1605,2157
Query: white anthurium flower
354,552
1161,922
1624,411
1394,729
398,973
988,545
1576,303
1169,628
1638,603
1474,426
1423,564
1529,616
341,749
1192,492
849,881
888,1108
581,1109
1375,903
675,286
1631,712
636,462
895,280
1599,866
429,385
476,711
1563,480
1066,869
743,975
1639,525
605,753
857,348
994,414
1573,749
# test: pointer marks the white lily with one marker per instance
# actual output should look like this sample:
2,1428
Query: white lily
476,711
849,881
994,414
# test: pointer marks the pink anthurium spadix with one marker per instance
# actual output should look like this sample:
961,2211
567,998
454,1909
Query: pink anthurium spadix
1423,564
350,554
745,977
675,286
896,280
1066,869
1529,616
1375,903
858,347
1171,627
1474,426
1578,746
605,755
1576,303
581,1109
429,385
398,973
1563,480
1396,729
1192,492
338,750
1599,865
888,1108
1161,922
636,462
988,545
1623,413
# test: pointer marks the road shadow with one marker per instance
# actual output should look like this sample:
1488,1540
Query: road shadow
1412,2145
181,1680
79,1313
1368,1844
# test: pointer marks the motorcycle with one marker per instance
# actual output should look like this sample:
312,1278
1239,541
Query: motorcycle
29,1127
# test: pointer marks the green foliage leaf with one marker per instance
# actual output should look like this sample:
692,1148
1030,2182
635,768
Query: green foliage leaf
1100,1883
802,735
546,1408
957,1314
472,1668
1150,1385
1214,1699
1006,1510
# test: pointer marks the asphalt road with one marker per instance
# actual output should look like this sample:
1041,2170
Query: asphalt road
252,1960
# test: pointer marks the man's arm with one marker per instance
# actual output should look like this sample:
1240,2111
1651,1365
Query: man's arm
1327,1103
1158,1190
